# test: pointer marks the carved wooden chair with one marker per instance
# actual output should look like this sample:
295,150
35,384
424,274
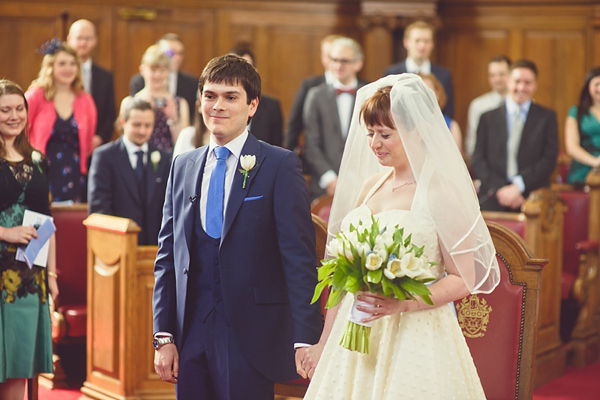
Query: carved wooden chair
321,206
540,224
297,387
500,328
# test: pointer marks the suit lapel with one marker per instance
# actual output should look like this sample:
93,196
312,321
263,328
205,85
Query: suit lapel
194,169
124,165
500,138
237,193
151,174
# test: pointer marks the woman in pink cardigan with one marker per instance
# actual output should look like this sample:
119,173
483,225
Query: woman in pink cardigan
62,120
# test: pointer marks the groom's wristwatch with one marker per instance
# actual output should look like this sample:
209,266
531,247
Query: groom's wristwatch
160,341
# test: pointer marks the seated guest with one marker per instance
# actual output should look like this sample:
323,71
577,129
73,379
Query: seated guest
582,130
62,121
96,80
128,177
171,113
267,122
440,94
498,70
418,42
180,84
327,113
192,137
295,125
517,144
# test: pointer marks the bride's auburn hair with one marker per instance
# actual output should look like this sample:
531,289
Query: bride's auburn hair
376,109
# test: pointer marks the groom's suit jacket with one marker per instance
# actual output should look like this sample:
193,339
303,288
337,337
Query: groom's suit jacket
267,257
113,188
536,158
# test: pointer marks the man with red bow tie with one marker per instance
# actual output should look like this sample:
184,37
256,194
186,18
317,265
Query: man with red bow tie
327,114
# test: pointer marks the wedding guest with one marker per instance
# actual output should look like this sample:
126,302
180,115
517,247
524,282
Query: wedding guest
25,327
419,43
401,167
440,94
295,125
517,144
181,84
194,136
62,119
498,71
582,130
128,177
96,80
171,113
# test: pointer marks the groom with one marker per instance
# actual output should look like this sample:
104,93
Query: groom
236,264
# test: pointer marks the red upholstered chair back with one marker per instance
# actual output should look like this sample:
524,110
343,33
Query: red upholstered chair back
321,207
576,229
71,253
491,324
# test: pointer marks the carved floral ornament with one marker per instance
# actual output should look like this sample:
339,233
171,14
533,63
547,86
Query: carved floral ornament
473,316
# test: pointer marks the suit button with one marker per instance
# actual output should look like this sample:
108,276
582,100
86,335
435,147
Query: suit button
217,300
217,281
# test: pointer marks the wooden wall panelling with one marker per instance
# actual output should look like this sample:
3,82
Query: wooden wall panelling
133,35
286,44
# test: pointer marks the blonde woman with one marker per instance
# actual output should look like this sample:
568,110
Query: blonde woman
62,118
172,114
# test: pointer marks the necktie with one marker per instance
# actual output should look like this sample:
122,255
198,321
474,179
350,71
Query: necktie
349,91
139,166
216,194
513,144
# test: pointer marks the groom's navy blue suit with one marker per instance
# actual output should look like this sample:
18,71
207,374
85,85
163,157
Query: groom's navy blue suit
256,281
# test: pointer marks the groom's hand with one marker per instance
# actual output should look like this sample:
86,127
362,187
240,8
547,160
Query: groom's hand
300,354
166,363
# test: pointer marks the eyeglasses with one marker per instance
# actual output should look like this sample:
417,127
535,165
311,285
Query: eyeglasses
343,61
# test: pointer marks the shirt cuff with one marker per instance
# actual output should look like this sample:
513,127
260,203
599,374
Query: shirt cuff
300,345
163,334
518,180
327,178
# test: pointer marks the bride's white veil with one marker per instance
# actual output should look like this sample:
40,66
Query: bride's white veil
436,164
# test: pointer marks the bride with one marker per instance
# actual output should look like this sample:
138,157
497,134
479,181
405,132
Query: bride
401,166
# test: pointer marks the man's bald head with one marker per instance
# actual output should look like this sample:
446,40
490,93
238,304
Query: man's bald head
82,37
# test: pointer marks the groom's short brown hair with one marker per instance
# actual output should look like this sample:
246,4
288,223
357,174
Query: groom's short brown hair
232,70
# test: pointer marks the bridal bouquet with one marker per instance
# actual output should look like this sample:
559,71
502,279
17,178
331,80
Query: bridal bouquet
368,258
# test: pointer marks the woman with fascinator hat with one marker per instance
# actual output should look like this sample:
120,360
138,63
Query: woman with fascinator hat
62,120
401,166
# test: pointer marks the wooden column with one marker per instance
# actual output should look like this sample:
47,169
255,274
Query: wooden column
119,326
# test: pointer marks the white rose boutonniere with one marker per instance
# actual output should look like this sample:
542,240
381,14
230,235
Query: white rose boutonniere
155,159
248,163
36,158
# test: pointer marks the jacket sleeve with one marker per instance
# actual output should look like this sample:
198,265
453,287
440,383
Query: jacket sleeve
314,135
100,190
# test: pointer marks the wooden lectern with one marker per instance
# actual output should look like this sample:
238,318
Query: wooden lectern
120,279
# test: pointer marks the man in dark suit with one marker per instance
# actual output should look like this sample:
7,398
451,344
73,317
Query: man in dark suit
128,177
517,144
96,80
267,122
235,268
327,115
295,125
180,84
418,42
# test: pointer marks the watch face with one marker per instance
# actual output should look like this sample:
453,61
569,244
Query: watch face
155,343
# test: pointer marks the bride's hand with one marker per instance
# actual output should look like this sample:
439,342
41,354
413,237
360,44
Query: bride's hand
311,359
382,306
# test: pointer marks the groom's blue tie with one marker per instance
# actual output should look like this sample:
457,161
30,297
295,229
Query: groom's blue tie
216,194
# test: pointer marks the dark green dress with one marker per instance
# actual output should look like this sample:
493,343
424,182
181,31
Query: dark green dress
25,327
589,139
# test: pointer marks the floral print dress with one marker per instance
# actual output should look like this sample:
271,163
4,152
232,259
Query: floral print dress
25,327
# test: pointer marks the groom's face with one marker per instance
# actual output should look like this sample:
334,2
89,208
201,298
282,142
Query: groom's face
225,110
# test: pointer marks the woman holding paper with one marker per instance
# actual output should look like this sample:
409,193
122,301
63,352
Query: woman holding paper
25,328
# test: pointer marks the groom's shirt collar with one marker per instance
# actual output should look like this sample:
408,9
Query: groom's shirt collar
235,146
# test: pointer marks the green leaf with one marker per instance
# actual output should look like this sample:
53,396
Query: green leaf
319,288
334,298
398,293
426,299
352,228
385,285
375,276
398,235
418,250
339,279
414,287
352,284
326,269
407,240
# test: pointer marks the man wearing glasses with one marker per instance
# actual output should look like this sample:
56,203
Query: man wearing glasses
327,114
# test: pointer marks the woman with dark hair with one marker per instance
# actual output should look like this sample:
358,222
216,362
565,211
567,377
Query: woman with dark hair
192,137
62,118
582,130
25,329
